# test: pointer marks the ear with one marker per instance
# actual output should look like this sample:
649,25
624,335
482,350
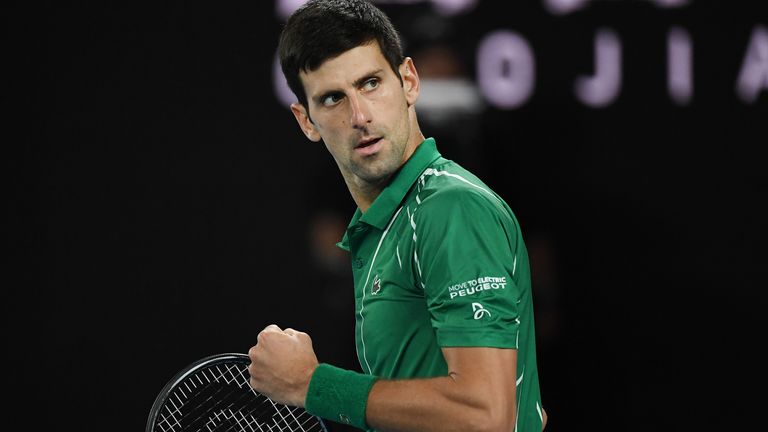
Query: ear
305,123
410,80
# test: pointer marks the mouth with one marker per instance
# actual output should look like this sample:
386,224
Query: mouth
366,142
368,146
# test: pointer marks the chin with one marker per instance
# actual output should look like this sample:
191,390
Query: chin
380,176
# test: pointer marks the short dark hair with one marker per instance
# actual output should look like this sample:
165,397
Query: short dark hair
322,29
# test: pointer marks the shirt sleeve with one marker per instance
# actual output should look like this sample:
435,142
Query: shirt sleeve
466,245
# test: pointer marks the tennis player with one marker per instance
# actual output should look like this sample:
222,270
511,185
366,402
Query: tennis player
444,314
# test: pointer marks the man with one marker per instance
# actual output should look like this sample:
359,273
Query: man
444,315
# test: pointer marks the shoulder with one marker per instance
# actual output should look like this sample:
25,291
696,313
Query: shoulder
452,199
448,187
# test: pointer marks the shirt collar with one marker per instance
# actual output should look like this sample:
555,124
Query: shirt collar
388,201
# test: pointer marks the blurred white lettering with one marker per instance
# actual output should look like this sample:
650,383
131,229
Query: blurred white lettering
506,72
284,8
603,88
453,7
679,69
669,4
505,69
753,77
564,7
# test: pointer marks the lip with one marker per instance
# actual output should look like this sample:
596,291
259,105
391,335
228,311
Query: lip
368,146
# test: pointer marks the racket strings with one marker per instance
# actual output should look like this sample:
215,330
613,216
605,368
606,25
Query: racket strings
220,398
213,397
301,424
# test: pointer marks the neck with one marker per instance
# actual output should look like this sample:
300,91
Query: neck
365,193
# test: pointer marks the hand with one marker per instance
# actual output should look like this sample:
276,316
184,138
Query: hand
282,364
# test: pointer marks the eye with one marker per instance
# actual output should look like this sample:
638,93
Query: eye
332,99
371,84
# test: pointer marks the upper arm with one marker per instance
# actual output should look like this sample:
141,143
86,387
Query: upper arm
468,256
477,395
486,377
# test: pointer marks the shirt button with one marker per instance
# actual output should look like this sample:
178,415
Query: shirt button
358,263
343,418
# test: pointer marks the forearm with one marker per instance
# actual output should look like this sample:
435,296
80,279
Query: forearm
477,394
436,404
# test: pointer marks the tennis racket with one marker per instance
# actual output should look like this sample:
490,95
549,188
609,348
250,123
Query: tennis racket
214,394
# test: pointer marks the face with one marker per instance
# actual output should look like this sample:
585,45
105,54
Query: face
362,112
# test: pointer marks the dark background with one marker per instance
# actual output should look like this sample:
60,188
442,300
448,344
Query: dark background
162,201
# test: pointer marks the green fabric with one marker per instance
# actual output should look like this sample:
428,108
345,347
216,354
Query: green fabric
439,261
338,394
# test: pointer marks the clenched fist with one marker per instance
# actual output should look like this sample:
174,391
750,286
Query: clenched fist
282,363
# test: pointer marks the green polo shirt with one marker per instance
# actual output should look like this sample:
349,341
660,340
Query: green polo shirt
439,261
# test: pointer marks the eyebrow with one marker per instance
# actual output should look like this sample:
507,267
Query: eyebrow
360,81
357,83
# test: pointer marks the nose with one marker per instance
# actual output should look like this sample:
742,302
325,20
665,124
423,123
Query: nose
361,114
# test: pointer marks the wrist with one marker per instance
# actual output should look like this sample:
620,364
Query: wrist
303,389
339,395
